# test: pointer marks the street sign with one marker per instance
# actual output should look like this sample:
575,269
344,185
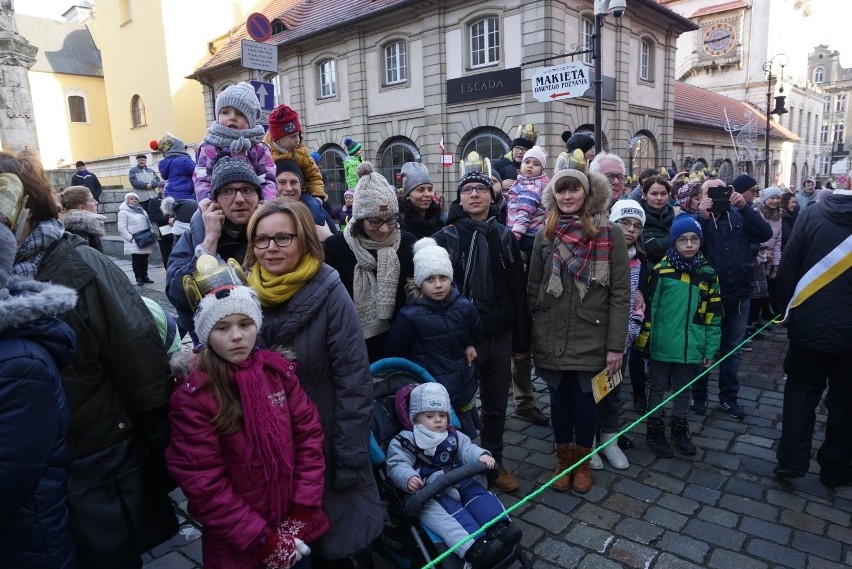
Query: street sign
265,94
261,56
447,160
560,82
258,27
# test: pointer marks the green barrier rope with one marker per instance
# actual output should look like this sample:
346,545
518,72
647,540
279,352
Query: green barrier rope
613,440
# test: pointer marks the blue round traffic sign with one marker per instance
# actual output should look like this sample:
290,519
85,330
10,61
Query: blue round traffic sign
258,27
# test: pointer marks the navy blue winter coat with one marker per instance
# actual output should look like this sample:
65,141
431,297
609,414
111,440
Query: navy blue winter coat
727,245
35,531
434,335
177,169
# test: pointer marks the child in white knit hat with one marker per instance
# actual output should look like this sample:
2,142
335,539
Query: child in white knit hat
242,405
526,213
427,448
437,329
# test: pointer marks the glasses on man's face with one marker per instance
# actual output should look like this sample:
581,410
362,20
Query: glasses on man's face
628,225
229,193
479,189
688,240
377,222
613,177
281,239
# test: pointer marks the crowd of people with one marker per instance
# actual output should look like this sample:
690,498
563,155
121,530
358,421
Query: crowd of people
266,425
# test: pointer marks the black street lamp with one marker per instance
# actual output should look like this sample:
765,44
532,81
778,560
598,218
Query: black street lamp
778,110
602,8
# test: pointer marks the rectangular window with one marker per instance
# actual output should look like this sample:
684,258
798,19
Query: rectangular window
840,104
645,60
838,132
77,108
396,64
823,134
826,104
485,42
824,165
328,79
588,40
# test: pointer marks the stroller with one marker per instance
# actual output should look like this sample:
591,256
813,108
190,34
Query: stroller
405,542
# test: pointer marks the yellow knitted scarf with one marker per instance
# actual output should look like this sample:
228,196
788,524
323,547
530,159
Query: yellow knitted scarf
274,289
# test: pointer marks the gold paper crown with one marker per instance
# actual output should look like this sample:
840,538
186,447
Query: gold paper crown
13,203
576,160
474,163
696,176
527,131
664,172
210,274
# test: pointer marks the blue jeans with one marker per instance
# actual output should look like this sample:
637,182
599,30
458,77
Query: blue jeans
734,320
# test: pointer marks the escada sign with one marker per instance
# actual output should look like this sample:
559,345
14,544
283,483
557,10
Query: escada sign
505,82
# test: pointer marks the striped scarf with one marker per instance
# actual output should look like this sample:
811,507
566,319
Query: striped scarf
681,263
584,258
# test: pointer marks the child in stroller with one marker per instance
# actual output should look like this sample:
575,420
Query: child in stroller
428,448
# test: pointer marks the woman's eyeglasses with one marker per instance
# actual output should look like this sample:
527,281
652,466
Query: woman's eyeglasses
281,239
379,221
628,225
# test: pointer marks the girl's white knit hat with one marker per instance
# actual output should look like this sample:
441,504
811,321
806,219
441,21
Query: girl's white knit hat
223,302
430,259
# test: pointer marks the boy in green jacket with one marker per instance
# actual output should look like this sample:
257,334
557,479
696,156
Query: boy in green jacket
681,331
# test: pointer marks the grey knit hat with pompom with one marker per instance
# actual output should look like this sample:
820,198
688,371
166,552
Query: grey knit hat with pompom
374,196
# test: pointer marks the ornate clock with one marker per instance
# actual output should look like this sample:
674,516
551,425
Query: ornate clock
719,39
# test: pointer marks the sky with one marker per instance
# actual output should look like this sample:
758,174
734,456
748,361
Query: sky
825,27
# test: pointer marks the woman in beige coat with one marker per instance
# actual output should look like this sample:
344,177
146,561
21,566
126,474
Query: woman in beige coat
579,294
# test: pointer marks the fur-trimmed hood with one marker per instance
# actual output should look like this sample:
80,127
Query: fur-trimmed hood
26,300
82,221
597,198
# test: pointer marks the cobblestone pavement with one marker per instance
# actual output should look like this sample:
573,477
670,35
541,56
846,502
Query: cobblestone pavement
721,508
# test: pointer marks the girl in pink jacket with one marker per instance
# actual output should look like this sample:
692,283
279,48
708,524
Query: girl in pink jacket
246,443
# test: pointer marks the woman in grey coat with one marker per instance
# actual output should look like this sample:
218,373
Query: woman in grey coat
307,309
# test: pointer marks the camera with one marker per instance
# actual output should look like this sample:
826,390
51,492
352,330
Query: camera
617,7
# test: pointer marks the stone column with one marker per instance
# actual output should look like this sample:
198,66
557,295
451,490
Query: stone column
17,55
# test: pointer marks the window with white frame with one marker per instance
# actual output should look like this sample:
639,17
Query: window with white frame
826,104
823,133
646,60
587,38
77,109
485,42
328,78
819,75
824,165
396,63
138,117
838,132
840,104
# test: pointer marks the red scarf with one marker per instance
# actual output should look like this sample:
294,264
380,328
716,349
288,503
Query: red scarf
583,257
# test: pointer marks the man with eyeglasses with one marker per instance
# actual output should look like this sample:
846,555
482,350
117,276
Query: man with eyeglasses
611,166
727,242
488,271
218,228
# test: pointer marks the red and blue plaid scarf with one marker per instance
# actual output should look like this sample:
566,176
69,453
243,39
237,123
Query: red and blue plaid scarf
583,257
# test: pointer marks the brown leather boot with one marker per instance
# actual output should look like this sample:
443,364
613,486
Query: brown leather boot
582,479
564,458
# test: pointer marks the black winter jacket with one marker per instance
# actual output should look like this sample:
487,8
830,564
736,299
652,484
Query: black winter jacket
823,322
434,335
508,311
655,232
727,244
35,531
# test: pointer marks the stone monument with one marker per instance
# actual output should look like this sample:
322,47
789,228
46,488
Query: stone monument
17,55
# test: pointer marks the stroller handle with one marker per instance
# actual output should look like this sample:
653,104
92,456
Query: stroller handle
415,502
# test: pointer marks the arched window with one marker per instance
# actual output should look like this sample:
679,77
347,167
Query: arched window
484,38
278,26
488,142
395,152
331,160
137,112
77,109
646,60
794,176
819,75
643,152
